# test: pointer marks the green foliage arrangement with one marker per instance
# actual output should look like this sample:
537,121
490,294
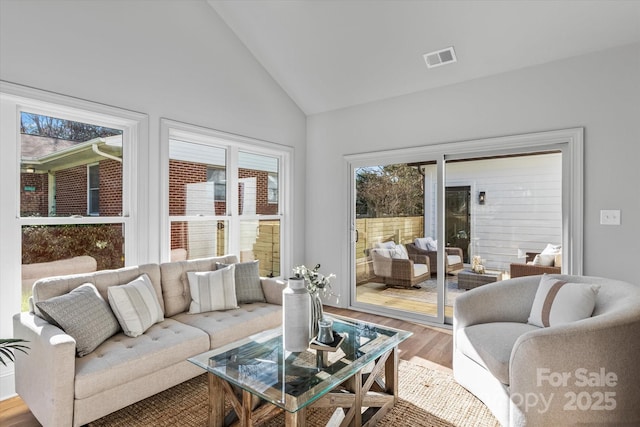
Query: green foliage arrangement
8,346
104,242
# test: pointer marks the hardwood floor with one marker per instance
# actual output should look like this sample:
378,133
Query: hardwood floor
428,346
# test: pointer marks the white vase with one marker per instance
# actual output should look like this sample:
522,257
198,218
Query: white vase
296,313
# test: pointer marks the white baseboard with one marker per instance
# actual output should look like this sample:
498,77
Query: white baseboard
7,383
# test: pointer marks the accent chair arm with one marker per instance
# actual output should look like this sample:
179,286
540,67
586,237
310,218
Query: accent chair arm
556,363
45,376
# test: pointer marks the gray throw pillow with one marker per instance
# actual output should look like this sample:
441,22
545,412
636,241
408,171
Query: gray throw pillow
83,314
248,286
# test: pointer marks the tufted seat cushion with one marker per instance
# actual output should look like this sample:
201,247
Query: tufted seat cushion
228,326
490,345
121,358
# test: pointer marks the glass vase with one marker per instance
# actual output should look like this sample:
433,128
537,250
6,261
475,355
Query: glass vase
317,314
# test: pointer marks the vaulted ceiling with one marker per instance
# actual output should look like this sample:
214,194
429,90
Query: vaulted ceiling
329,55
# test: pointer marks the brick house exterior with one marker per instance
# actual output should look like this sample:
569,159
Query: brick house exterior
182,173
71,191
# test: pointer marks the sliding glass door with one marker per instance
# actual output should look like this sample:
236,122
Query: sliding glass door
469,213
395,252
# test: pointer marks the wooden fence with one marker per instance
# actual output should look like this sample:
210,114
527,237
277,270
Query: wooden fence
373,230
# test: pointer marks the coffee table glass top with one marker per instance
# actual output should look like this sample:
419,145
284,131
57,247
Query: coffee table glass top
260,365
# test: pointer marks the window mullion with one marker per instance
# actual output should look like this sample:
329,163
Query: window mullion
232,199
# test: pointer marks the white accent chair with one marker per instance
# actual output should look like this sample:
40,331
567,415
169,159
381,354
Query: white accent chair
517,369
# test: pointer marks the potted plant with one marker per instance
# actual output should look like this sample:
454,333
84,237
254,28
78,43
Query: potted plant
8,346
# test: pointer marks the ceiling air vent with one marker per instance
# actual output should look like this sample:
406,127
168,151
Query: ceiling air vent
440,57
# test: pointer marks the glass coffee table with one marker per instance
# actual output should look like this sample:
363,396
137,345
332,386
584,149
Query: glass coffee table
260,378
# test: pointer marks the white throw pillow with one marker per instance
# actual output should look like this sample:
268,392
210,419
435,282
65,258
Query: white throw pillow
421,243
212,290
391,245
558,302
400,252
426,243
135,305
544,260
551,249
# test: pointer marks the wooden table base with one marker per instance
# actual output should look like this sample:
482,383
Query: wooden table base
362,390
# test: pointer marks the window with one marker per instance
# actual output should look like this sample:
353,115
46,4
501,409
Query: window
93,189
223,196
71,162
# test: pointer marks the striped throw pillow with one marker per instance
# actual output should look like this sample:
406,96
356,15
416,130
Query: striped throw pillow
212,290
135,305
557,302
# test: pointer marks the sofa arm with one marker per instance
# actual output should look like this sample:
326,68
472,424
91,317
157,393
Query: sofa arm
585,371
45,377
503,301
272,289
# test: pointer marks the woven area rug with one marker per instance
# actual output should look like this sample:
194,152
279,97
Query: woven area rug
427,398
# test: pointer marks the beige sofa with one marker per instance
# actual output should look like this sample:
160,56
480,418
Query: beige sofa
581,373
64,390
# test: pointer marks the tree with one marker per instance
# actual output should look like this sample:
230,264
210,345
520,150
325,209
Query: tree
392,190
35,124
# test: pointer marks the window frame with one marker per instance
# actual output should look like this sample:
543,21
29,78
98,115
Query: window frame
14,99
170,129
90,190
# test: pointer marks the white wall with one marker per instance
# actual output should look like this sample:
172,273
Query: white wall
599,91
172,59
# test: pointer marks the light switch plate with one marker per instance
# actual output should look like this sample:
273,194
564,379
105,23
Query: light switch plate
610,217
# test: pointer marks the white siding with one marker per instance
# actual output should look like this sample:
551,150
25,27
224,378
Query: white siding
523,208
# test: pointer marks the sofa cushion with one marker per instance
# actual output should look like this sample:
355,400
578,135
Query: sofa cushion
135,305
83,314
248,287
212,290
557,302
420,269
121,358
228,326
454,259
49,287
490,345
175,285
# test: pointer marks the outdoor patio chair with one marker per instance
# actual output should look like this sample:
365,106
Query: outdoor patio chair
451,263
528,269
396,270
